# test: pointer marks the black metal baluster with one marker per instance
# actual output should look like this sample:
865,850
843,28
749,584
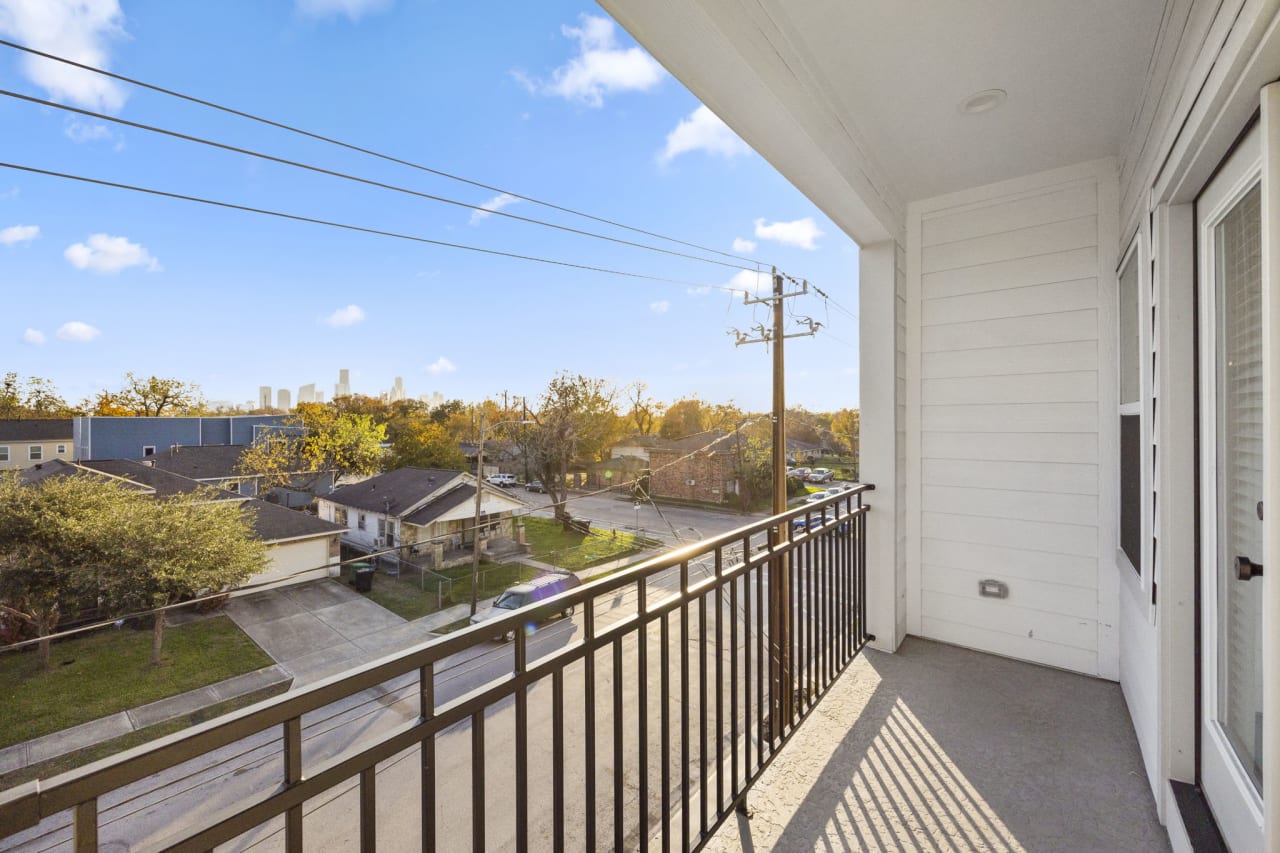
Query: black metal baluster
642,721
619,759
427,711
589,720
733,688
477,781
664,715
557,760
719,689
684,705
522,746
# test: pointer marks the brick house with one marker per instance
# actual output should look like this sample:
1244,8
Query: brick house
699,468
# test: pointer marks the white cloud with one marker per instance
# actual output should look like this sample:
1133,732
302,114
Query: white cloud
76,29
348,316
441,365
702,290
743,246
702,131
18,234
748,281
601,67
12,192
34,337
102,253
801,233
662,306
496,203
77,331
353,9
79,131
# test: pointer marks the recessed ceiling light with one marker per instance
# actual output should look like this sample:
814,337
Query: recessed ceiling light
984,101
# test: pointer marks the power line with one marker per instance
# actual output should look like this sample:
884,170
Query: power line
357,179
359,228
367,151
394,550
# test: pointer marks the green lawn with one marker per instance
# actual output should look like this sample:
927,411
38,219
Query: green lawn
574,551
409,597
109,670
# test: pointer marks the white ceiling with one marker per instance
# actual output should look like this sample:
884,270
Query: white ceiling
857,101
898,69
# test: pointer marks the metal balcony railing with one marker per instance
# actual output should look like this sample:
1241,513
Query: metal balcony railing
749,629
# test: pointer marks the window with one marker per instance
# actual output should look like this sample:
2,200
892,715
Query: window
1130,413
35,452
148,450
233,487
340,515
62,450
360,521
4,454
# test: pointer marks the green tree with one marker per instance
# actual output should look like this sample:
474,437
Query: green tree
155,396
52,550
32,397
317,438
576,419
646,412
426,444
176,548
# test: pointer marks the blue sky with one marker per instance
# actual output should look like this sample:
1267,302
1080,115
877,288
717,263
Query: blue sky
550,100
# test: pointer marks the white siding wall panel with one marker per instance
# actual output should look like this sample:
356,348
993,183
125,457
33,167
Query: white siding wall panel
1009,421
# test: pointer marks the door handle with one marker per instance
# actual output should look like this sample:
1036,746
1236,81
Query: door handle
1247,569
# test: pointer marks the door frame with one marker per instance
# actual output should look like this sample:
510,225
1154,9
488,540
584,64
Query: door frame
1238,806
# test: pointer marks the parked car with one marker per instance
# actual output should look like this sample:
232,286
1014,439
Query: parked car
529,595
798,473
534,486
820,475
506,481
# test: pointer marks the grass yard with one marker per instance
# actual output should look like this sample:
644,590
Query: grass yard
81,757
406,596
574,551
110,670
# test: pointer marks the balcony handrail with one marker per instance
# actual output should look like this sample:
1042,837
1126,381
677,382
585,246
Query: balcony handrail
26,805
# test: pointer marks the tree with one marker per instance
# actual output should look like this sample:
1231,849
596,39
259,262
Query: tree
646,412
845,427
576,419
176,548
691,416
154,396
84,540
52,549
106,404
317,438
426,444
32,397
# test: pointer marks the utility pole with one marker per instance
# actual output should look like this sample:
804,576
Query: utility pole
475,533
781,687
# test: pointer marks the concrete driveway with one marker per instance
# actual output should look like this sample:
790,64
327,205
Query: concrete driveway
318,629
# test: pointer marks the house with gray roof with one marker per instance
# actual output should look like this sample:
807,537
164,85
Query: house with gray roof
425,514
219,465
300,546
26,442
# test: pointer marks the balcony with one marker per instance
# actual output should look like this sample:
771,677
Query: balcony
662,703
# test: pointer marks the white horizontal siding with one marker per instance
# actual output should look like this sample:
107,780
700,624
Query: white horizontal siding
1009,424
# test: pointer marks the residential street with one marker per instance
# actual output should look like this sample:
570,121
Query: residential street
141,814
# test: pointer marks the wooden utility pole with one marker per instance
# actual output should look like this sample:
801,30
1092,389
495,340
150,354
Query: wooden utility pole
475,533
781,685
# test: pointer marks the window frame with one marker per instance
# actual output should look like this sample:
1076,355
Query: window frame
35,453
62,450
148,450
1137,578
4,453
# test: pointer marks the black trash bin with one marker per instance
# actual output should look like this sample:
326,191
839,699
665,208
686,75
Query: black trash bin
363,574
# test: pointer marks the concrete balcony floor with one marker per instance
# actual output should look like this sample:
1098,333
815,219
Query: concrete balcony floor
938,748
